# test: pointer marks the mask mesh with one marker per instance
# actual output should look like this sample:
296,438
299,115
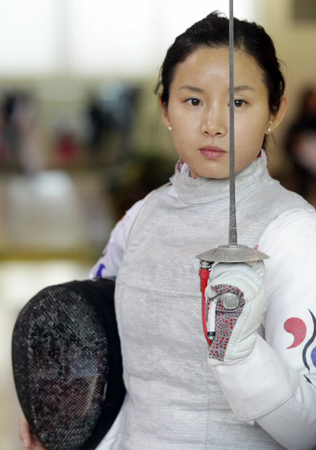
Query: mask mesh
61,366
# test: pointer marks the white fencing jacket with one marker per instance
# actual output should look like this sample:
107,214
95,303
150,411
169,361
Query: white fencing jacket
267,401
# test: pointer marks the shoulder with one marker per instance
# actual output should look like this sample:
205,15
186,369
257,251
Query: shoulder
272,196
143,209
290,243
111,259
294,228
112,256
123,227
138,208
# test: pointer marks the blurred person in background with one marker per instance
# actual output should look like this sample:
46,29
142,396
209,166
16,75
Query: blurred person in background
24,118
300,147
8,134
19,138
96,125
111,114
308,103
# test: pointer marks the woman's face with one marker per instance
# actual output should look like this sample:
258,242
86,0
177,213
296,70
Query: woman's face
198,111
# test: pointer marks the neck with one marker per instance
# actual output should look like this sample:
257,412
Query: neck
205,190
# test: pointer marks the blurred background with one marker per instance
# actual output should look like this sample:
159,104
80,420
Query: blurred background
81,138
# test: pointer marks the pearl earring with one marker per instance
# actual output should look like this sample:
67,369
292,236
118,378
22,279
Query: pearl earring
269,129
169,128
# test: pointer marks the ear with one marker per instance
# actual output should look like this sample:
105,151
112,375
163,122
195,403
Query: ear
278,118
164,113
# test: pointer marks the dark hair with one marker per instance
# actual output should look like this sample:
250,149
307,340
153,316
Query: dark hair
213,31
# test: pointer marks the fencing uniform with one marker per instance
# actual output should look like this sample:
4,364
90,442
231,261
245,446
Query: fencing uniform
176,400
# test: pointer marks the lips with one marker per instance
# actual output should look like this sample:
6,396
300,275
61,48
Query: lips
211,152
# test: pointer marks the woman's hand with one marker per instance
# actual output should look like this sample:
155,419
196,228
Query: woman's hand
236,299
29,441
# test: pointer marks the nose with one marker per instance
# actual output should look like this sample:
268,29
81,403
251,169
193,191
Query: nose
215,122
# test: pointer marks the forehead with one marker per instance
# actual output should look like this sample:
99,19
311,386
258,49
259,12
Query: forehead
206,65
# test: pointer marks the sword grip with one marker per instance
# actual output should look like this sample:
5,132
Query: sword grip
205,268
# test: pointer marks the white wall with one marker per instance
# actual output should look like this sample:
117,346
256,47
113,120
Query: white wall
96,37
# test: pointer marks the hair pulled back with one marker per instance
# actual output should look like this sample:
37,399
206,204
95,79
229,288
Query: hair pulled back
213,31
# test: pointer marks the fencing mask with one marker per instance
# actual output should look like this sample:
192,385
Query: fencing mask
67,364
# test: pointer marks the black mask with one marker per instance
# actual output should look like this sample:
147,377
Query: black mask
67,364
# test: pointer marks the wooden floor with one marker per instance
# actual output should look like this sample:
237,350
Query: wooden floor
52,228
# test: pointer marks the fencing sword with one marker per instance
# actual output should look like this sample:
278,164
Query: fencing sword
233,252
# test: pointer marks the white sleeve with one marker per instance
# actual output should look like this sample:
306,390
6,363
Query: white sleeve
108,266
276,385
112,256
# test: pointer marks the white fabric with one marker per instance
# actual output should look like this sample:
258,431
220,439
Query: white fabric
290,409
112,256
246,383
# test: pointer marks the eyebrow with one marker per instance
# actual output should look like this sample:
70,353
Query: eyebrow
242,87
191,88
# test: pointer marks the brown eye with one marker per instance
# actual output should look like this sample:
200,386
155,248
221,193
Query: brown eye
239,103
193,101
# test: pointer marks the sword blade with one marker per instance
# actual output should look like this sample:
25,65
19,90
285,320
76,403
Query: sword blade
232,252
232,236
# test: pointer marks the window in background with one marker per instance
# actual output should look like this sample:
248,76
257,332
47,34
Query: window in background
97,37
29,37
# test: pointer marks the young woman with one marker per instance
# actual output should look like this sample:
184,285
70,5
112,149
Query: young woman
255,386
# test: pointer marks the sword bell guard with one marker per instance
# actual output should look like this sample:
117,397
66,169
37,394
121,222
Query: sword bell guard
232,254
